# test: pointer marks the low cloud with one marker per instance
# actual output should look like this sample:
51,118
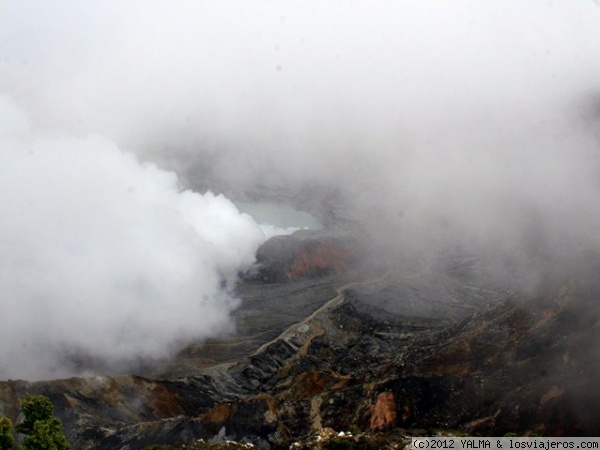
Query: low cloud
437,125
106,259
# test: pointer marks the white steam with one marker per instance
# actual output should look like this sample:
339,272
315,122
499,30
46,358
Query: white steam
104,258
462,123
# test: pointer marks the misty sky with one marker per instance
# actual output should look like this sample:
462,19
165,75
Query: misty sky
439,122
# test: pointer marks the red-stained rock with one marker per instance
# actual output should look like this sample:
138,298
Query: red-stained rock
383,412
304,254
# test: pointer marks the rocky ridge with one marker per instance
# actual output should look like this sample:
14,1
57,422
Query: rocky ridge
401,347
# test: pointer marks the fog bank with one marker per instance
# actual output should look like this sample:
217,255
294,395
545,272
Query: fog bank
437,125
105,261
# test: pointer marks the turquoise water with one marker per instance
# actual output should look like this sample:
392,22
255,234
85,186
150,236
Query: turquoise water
279,215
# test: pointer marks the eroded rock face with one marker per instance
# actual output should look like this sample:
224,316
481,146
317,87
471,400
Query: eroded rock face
404,347
383,412
305,254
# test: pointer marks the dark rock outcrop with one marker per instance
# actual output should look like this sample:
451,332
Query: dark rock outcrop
305,254
405,347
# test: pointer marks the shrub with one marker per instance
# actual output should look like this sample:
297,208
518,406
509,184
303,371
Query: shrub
35,408
42,430
340,444
46,435
7,441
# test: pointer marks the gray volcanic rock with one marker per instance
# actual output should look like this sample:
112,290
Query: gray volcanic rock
403,347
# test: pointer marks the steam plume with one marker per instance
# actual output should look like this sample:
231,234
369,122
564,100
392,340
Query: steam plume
104,258
437,124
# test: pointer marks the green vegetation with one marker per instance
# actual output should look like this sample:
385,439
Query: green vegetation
340,444
46,435
42,430
35,408
354,430
7,441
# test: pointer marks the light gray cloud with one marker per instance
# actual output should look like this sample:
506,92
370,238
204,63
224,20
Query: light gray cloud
106,257
440,124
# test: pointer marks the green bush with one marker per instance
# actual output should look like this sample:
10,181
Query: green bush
354,430
46,435
42,430
35,408
7,440
340,444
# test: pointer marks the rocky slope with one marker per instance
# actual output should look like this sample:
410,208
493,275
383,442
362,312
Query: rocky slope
324,342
